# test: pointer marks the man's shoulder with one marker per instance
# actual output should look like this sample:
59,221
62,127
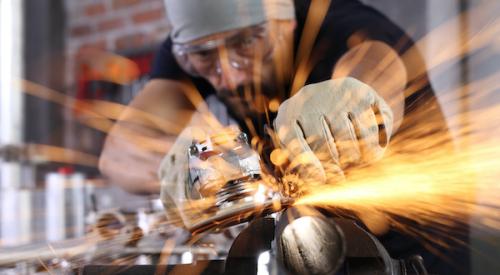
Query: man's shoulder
345,22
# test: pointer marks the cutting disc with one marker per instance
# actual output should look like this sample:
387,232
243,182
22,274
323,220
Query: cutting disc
239,213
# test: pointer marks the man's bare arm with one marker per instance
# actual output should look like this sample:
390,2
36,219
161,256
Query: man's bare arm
143,135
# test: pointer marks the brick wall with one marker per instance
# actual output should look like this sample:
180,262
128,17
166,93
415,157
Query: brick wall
114,25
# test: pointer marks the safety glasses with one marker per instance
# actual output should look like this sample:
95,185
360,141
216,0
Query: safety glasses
240,48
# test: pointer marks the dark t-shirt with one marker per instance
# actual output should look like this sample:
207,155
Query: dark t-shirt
343,19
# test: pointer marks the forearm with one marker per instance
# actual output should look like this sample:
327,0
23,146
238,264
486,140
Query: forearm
130,167
143,135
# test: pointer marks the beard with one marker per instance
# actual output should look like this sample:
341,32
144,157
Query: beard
248,101
251,100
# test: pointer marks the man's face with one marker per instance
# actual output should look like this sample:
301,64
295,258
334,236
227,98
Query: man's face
241,65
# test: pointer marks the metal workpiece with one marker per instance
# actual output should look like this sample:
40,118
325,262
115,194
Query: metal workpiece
309,243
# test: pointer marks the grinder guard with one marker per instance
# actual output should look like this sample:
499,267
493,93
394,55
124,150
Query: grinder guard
224,167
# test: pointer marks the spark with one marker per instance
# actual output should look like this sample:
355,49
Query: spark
49,153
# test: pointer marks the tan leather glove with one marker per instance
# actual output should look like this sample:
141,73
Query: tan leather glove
331,125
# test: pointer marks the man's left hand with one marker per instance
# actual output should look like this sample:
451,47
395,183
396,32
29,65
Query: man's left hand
329,126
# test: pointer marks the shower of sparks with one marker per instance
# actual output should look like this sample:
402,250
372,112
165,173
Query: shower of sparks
426,177
438,188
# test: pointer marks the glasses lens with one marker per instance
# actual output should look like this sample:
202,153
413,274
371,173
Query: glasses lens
203,61
243,49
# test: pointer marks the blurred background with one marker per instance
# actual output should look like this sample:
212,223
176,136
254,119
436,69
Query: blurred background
89,50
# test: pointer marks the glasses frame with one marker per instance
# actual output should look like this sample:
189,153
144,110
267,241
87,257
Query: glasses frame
182,50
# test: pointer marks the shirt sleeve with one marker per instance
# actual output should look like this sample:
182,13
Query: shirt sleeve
352,19
355,18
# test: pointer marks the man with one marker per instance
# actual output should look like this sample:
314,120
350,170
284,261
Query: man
162,96
337,70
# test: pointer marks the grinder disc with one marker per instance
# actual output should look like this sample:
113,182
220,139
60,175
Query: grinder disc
239,213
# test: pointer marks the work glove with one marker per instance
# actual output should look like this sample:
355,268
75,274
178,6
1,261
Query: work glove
330,126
